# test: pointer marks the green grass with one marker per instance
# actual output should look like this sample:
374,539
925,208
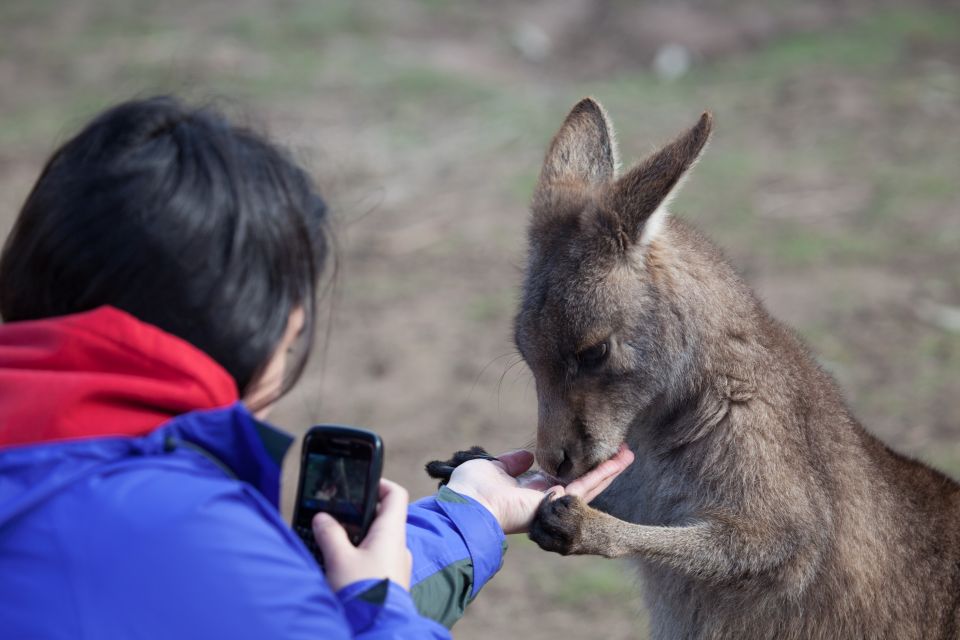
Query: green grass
522,184
304,23
491,307
16,13
797,244
874,43
580,581
596,580
946,459
52,122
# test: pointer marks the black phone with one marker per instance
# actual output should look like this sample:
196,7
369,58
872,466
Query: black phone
340,471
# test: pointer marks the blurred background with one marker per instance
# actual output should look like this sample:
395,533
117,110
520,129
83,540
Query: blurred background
832,183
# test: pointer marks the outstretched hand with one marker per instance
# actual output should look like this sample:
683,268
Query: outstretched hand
512,496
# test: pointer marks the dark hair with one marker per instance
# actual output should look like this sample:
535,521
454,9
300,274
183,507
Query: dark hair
183,220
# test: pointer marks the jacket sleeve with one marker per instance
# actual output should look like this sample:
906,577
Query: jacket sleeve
382,609
457,546
229,567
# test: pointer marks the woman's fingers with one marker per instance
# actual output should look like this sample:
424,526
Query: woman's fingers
383,552
598,489
392,513
331,537
602,475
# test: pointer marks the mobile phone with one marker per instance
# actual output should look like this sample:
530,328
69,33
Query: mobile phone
340,471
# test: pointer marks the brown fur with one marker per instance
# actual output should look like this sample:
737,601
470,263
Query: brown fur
757,507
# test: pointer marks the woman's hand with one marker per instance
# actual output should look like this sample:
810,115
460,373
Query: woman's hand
382,554
513,500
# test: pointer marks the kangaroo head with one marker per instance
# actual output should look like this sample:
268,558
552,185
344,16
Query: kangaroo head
593,324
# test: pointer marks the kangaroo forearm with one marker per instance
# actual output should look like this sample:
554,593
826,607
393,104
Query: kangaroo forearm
692,549
708,549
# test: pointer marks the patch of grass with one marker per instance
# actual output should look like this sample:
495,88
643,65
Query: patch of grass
899,189
887,404
946,459
719,192
522,184
437,5
875,42
128,23
424,82
828,346
292,74
411,82
792,244
490,307
303,23
623,92
380,289
52,122
590,579
943,349
18,12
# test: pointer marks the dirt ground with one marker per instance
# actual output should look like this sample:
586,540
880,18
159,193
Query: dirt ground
832,182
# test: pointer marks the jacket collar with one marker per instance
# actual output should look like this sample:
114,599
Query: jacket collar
100,373
229,437
250,449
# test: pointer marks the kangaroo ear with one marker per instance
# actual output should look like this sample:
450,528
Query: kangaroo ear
641,196
583,151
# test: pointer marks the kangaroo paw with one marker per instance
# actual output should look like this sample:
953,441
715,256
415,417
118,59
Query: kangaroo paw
557,525
443,469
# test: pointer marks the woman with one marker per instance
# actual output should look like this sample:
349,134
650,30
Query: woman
158,290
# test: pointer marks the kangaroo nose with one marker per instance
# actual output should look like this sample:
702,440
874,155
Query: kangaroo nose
565,467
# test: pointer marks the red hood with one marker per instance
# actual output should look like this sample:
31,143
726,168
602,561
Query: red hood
99,373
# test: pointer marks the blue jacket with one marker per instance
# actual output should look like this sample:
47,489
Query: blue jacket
177,534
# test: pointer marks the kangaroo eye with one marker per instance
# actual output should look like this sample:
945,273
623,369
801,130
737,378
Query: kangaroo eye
593,357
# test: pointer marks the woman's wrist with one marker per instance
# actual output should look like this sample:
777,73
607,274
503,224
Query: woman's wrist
466,490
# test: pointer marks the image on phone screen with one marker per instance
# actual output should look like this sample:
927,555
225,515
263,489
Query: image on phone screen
336,485
340,470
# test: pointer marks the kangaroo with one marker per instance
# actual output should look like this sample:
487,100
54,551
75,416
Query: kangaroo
757,507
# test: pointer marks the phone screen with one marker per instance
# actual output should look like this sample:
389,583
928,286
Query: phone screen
335,484
339,474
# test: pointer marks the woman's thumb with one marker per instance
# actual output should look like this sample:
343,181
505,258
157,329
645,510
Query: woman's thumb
331,536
